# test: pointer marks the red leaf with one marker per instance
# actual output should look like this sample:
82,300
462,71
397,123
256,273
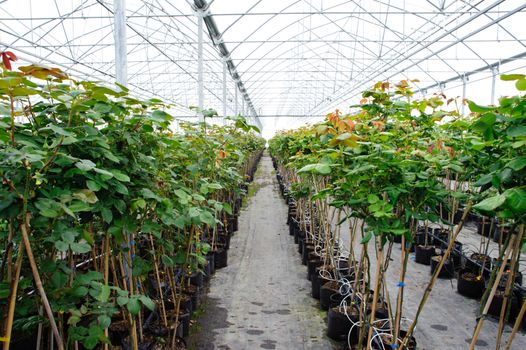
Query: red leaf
7,57
5,60
11,55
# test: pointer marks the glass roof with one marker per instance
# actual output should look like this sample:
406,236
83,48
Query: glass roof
295,58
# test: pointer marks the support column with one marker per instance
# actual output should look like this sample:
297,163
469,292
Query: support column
121,61
494,73
464,83
243,107
236,112
225,102
200,79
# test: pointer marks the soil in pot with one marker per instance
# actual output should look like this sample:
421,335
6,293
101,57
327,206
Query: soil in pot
475,262
448,270
326,291
185,303
147,343
387,340
423,254
118,330
470,284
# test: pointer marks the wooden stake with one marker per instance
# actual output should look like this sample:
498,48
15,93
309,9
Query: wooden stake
41,291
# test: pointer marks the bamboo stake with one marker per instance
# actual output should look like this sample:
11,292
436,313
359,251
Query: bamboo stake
158,278
490,298
516,325
379,259
12,297
107,251
509,285
435,275
40,288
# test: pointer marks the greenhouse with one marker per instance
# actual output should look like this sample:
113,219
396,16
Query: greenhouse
262,174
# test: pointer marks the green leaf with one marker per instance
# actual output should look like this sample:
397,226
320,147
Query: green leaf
215,186
107,215
119,175
150,305
490,204
133,306
104,321
104,295
479,109
320,168
103,172
93,186
372,198
485,179
521,84
366,238
167,261
517,163
516,200
511,77
86,196
80,291
122,300
85,165
517,131
227,208
80,248
207,218
58,130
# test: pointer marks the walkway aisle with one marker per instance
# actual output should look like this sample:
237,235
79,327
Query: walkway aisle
261,300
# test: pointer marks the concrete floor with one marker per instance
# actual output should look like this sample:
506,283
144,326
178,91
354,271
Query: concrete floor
261,300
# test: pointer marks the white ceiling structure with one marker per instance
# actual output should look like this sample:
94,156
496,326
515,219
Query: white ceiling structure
287,61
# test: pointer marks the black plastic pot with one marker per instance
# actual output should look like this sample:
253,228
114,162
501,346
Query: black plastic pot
196,278
211,267
221,258
336,299
194,295
326,291
316,282
312,264
423,254
307,249
448,270
339,325
456,255
469,285
184,318
224,240
485,226
496,305
475,261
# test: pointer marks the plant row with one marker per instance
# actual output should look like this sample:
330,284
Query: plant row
410,171
109,221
